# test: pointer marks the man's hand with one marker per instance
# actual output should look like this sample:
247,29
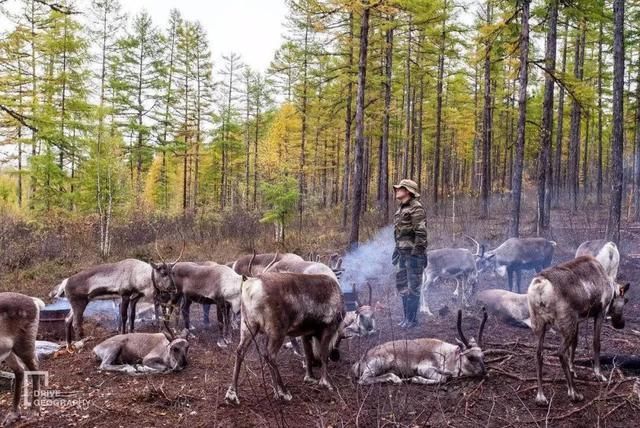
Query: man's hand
395,257
420,251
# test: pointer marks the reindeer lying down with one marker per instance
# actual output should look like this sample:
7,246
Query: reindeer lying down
424,361
138,353
511,308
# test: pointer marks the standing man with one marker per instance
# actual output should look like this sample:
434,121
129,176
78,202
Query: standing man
410,255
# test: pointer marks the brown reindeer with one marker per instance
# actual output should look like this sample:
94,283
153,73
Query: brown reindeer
561,297
289,304
19,317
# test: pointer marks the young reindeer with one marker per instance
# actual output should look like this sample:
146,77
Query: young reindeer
138,353
605,252
362,321
289,304
19,317
423,361
564,295
130,279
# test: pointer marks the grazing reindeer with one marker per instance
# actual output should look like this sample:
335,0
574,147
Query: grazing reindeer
512,308
605,252
130,279
208,284
260,262
19,317
517,254
290,304
424,361
135,353
308,268
564,295
449,263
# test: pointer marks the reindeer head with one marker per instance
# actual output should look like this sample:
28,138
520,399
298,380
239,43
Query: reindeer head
617,304
175,356
162,275
361,322
484,260
471,357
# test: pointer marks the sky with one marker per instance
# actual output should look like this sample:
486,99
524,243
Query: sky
252,28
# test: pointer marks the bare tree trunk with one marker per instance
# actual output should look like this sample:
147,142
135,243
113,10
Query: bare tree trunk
383,203
636,163
347,129
600,71
522,120
487,123
303,130
547,118
407,123
576,118
356,201
557,163
617,143
439,90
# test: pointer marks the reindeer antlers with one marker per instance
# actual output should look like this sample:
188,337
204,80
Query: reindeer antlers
460,333
184,244
370,292
478,246
484,321
271,264
251,262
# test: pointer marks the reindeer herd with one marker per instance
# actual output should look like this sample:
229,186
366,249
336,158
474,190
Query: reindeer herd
281,296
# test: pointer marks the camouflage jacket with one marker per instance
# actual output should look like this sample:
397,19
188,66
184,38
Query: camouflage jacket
410,228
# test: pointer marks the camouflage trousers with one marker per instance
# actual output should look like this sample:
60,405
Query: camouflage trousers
409,274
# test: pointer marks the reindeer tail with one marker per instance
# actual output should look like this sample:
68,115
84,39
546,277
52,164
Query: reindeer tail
58,290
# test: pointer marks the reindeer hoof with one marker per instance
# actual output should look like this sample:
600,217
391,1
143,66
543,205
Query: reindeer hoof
541,400
310,380
283,395
231,397
576,397
326,384
600,377
426,311
10,419
221,343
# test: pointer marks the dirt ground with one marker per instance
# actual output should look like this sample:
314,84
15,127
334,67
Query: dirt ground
195,397
505,397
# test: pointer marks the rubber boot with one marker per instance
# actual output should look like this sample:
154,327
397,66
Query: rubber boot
402,323
413,302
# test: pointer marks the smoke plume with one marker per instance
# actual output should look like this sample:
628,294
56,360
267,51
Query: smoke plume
371,261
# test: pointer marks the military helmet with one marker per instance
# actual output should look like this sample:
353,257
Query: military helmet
410,185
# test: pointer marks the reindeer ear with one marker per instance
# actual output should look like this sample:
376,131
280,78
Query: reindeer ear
624,289
154,266
184,334
167,335
460,344
244,278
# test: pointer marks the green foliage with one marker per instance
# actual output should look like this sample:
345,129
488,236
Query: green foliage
281,198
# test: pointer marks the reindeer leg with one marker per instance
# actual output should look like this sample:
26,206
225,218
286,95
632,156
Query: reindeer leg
518,279
245,340
308,359
206,310
427,280
385,378
563,354
124,309
14,362
510,278
597,330
540,333
186,309
572,353
222,324
325,342
274,342
25,350
78,307
132,312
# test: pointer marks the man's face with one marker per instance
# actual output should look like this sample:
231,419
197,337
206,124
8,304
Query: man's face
402,194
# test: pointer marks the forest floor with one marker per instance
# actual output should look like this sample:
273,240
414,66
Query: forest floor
505,397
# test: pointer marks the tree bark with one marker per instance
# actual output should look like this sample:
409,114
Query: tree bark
487,124
600,71
347,129
522,120
383,203
617,143
557,163
439,90
356,200
547,118
576,118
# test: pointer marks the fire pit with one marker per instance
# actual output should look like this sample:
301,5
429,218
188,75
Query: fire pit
52,325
